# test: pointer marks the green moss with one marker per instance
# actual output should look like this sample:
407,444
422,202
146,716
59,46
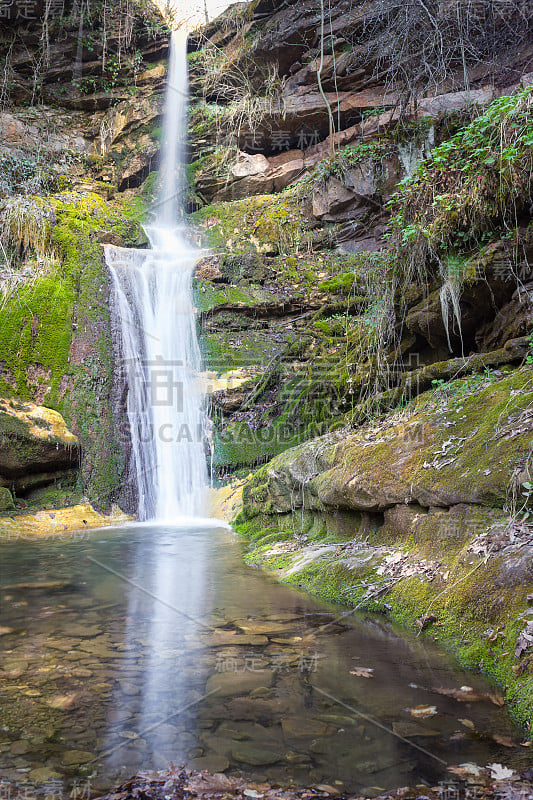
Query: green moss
87,406
209,296
55,343
240,444
470,184
6,500
340,284
35,333
265,224
224,350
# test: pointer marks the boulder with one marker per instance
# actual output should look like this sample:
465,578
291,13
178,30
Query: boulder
251,174
362,188
33,440
6,499
333,201
433,458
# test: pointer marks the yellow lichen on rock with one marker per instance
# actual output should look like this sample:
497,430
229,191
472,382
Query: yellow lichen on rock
211,381
43,422
62,520
225,503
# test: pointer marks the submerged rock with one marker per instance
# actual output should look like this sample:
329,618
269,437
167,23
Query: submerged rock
255,756
43,775
230,684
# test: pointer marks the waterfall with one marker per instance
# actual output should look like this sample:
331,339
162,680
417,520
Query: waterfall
153,312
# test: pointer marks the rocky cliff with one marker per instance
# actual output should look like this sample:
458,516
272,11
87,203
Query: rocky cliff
363,180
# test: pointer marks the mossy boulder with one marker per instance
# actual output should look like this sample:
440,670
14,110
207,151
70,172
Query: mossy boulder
265,224
464,449
36,448
6,499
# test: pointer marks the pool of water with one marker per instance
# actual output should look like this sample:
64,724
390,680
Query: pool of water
130,648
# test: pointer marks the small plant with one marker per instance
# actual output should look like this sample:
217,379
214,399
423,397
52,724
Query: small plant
529,357
26,175
482,174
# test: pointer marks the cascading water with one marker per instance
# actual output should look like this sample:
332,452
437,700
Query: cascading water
153,308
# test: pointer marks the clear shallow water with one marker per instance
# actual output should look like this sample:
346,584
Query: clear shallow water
139,646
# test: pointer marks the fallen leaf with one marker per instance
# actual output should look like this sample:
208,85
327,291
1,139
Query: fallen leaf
500,773
519,669
362,672
467,695
497,699
425,620
524,640
466,770
421,712
506,741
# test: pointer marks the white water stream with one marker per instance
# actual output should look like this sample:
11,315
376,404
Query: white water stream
159,351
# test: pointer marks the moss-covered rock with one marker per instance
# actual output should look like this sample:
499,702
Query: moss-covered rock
464,449
60,522
6,499
268,224
33,439
55,337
